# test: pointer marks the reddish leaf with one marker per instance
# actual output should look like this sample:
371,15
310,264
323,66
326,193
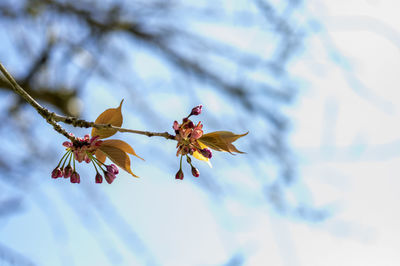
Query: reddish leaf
121,145
119,157
100,156
111,116
221,141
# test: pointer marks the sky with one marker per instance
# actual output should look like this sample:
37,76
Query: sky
344,136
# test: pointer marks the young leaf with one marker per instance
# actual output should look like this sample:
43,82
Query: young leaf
119,157
100,156
111,116
122,145
221,141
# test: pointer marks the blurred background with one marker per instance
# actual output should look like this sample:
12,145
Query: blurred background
314,82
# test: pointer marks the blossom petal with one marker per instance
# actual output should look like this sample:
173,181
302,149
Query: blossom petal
121,145
111,116
119,157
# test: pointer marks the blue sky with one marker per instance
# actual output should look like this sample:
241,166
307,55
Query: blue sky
344,134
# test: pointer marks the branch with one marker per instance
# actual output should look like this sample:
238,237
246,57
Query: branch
52,118
83,123
40,109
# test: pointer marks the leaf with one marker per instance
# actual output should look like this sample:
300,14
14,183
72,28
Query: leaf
100,156
199,156
122,145
221,141
111,116
119,157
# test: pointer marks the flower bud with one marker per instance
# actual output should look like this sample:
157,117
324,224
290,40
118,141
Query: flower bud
179,175
195,172
184,120
176,125
67,144
206,153
112,168
190,124
196,110
196,134
110,176
185,150
99,178
75,178
68,171
56,173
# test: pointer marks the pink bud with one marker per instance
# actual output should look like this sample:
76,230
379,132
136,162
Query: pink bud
99,178
195,172
196,110
179,175
197,133
206,153
176,125
110,176
190,124
75,178
112,168
68,171
56,173
67,144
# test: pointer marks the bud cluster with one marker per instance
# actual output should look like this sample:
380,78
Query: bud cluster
83,149
187,134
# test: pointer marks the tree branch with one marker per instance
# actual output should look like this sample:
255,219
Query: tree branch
52,118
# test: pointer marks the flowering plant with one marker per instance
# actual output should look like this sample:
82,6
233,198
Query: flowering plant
190,137
94,149
192,141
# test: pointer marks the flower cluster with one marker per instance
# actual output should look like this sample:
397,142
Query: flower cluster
193,142
187,135
83,149
94,149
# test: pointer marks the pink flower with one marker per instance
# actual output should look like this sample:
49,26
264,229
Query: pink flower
197,132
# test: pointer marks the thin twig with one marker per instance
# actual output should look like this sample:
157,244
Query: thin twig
52,118
83,123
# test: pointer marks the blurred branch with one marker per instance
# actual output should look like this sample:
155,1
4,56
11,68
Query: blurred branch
52,118
12,257
59,98
40,109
